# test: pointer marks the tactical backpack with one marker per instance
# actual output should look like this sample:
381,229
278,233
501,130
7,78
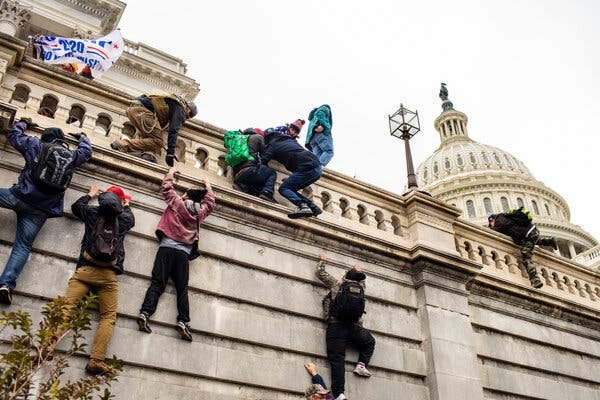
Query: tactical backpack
520,216
349,303
104,244
53,167
236,143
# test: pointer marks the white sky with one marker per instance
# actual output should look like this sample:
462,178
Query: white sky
526,73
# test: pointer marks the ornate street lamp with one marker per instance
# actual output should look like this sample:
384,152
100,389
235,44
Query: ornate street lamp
404,124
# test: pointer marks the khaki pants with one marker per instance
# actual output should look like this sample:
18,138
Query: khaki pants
104,281
149,135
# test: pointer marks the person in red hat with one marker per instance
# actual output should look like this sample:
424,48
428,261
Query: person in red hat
108,222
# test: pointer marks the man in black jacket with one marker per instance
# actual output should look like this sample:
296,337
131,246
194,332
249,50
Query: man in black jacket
304,165
152,115
100,275
251,176
525,235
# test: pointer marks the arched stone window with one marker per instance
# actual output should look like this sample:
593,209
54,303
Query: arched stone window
498,160
487,204
128,130
520,202
20,95
504,203
103,123
472,158
201,157
76,115
470,209
547,209
447,164
459,160
436,168
48,106
425,173
485,157
508,161
534,205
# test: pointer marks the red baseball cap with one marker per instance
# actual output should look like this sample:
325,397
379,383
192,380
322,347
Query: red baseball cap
119,192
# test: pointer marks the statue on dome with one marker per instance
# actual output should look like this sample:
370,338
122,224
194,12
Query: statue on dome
443,92
446,104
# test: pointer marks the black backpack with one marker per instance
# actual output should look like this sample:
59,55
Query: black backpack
349,303
104,244
520,216
53,167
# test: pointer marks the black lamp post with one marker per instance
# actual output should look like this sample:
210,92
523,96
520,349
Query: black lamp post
404,124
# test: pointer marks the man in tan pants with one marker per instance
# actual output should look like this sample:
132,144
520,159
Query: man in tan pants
98,273
152,115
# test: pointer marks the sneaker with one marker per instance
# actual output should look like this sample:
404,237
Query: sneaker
5,295
316,210
142,321
301,211
268,197
341,397
117,146
361,370
184,331
536,282
149,157
96,367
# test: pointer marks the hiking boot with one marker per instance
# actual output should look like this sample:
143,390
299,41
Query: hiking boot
268,197
149,157
316,210
96,367
117,146
5,295
142,321
184,331
361,370
301,211
536,282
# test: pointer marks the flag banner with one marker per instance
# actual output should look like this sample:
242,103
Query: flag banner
98,54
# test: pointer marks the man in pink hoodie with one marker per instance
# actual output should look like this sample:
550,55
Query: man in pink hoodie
177,231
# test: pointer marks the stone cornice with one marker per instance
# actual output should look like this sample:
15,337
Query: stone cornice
15,45
108,11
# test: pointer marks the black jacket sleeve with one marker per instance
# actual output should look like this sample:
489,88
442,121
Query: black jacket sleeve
177,118
81,208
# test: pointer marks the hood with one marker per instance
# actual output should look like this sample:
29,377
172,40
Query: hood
109,204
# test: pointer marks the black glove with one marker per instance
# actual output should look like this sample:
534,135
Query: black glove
28,121
77,135
170,158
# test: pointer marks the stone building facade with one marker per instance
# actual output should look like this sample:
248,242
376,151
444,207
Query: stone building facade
447,299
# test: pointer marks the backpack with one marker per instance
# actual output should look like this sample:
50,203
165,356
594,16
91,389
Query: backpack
53,167
519,216
236,143
349,303
104,244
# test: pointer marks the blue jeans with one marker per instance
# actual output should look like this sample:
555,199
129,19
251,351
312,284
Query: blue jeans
299,180
29,223
322,147
257,179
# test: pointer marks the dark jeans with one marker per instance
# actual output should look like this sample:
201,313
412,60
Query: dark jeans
340,335
257,179
29,223
299,180
174,264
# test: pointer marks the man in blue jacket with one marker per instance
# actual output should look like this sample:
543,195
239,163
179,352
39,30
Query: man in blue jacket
32,205
304,165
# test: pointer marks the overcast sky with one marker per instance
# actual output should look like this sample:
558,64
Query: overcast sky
526,73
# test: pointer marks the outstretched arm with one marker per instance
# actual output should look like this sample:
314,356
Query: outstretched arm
323,275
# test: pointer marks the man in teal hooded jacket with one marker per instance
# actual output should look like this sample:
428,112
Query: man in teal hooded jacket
318,138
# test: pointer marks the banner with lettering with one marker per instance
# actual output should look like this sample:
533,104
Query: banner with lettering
98,54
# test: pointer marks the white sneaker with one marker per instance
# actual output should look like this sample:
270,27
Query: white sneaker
341,397
361,370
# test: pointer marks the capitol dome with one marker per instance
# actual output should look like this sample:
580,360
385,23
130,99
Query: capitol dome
481,179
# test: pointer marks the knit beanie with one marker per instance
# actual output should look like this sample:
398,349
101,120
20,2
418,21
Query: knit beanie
297,125
354,275
196,194
51,134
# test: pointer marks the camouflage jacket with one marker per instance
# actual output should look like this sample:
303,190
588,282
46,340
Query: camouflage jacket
333,285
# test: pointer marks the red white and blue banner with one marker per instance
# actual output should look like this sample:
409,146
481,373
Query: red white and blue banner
98,54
